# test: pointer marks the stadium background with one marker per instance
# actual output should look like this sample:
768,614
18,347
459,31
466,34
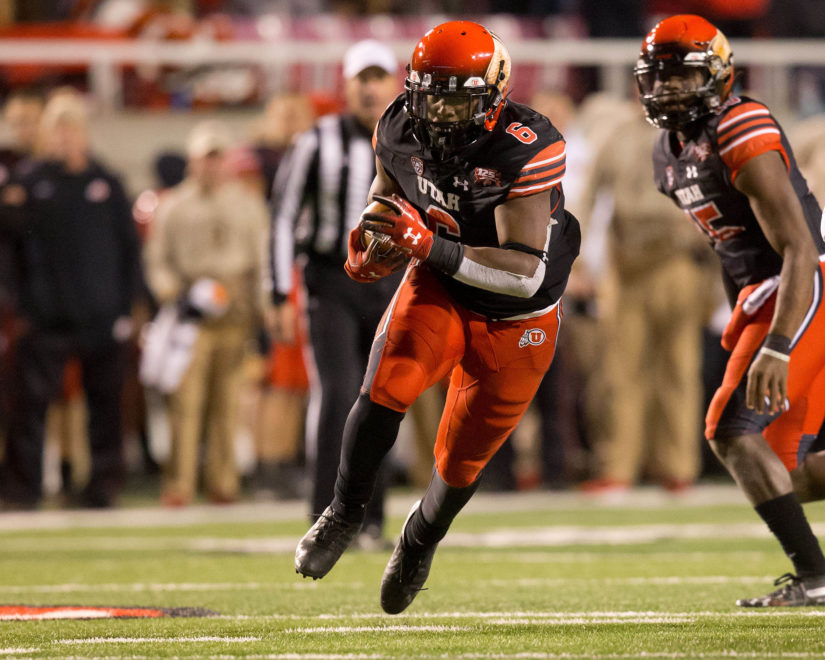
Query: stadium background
151,69
533,575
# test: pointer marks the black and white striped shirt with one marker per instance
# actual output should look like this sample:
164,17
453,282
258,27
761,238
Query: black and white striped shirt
321,189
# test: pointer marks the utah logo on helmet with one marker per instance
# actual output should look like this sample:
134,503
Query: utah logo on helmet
457,82
684,71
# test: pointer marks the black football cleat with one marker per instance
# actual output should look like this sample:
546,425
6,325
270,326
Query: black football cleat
324,544
796,592
406,572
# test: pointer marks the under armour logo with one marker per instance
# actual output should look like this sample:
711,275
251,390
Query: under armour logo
461,183
409,234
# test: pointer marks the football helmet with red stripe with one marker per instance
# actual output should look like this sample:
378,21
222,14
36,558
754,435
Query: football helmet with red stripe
457,82
684,71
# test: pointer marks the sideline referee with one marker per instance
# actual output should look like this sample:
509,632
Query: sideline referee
320,190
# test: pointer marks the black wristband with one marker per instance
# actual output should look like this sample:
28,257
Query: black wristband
521,247
277,298
445,255
778,343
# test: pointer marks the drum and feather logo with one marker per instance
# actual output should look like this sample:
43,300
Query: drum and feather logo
532,337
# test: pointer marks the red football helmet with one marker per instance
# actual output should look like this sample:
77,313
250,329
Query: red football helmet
456,85
684,72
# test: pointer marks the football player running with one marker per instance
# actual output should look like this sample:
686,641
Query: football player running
726,162
471,188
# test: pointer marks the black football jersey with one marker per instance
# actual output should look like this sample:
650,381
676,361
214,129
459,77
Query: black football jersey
523,155
699,174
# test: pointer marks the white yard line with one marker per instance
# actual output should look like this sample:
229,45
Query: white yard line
17,651
73,587
157,587
526,537
396,628
666,580
703,614
504,538
158,640
526,655
138,587
398,505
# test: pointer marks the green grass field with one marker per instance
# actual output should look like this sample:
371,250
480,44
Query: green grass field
542,575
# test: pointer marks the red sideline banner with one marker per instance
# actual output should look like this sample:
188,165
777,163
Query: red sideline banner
45,612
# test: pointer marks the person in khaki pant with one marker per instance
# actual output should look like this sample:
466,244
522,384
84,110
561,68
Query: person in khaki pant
652,309
205,251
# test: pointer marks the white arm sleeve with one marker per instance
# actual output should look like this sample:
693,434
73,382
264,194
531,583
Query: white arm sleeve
502,281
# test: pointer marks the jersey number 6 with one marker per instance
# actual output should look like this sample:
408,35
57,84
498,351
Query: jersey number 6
440,218
521,133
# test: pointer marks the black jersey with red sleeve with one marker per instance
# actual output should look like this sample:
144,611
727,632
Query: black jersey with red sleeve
523,155
699,176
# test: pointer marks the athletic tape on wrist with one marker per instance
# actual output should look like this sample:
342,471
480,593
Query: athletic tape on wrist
775,354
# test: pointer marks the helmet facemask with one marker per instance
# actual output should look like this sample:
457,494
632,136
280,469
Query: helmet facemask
676,94
449,114
684,72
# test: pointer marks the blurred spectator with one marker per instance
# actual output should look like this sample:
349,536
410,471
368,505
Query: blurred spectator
808,139
142,410
321,190
21,116
280,424
654,306
80,271
170,170
285,116
203,258
582,401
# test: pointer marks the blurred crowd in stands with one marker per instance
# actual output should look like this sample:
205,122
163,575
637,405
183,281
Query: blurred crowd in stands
134,347
271,22
618,18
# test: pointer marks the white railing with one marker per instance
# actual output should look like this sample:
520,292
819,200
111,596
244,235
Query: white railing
770,61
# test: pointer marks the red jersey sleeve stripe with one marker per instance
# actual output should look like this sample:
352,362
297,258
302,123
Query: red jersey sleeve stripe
748,110
752,136
537,181
524,191
541,174
746,127
752,144
546,156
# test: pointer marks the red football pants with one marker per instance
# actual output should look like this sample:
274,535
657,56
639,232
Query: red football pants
727,414
495,366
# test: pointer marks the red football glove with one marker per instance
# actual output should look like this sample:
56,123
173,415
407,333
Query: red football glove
404,226
371,263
